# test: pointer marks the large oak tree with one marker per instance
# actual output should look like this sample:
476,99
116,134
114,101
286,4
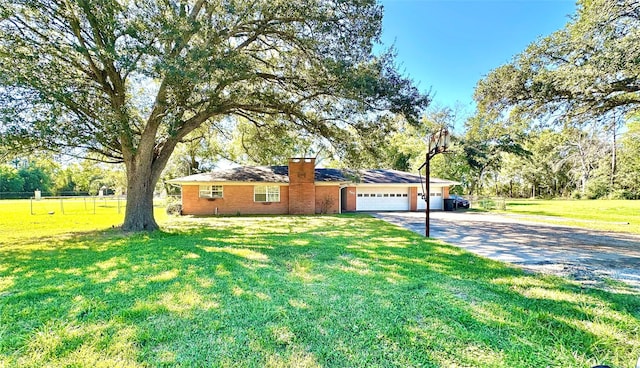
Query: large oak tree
130,79
585,71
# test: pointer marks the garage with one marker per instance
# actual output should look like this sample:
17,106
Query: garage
383,199
436,201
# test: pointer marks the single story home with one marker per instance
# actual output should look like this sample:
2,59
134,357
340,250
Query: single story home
301,188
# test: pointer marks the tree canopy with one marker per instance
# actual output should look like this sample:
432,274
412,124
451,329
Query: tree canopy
129,80
584,71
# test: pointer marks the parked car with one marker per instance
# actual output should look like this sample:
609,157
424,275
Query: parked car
459,202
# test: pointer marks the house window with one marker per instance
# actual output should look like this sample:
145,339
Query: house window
266,193
210,191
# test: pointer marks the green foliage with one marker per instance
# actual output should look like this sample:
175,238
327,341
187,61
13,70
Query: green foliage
628,175
597,188
10,179
582,79
487,203
131,80
487,139
64,181
198,153
559,161
584,71
294,291
624,194
271,144
35,177
403,146
89,176
174,208
25,179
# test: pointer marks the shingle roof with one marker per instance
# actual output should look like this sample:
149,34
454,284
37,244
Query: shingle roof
280,174
269,174
380,176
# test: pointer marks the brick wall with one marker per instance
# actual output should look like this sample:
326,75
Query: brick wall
236,198
445,192
328,199
351,199
302,188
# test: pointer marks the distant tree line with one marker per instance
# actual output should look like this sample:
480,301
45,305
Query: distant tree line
22,177
500,158
488,157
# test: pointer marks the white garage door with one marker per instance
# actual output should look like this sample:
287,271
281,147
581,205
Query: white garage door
435,200
382,199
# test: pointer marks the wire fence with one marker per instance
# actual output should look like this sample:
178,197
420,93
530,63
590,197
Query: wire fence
88,204
77,205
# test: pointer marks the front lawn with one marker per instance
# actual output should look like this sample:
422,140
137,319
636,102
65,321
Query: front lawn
343,291
25,219
608,215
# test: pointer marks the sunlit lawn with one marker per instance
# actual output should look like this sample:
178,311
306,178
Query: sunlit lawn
343,291
54,216
610,215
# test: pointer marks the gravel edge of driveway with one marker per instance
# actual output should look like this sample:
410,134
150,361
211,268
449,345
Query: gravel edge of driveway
590,257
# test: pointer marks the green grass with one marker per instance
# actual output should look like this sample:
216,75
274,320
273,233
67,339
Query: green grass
291,291
51,218
609,215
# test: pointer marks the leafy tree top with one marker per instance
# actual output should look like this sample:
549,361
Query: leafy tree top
103,75
583,71
130,79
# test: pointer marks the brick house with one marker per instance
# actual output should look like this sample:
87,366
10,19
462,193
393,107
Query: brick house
301,188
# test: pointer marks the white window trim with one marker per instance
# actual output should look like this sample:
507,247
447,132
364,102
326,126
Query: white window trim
207,191
271,193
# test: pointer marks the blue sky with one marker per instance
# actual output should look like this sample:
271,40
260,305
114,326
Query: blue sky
448,45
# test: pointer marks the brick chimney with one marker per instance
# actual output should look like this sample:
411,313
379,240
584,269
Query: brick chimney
302,188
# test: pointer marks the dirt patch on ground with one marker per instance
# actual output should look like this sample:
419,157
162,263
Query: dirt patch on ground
590,276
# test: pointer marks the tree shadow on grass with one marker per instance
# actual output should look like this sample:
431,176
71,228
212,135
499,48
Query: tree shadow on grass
304,291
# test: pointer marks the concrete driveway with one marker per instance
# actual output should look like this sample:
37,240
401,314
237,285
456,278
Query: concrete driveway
585,255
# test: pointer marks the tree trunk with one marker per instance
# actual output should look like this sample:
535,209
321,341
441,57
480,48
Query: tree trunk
614,162
141,181
472,187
